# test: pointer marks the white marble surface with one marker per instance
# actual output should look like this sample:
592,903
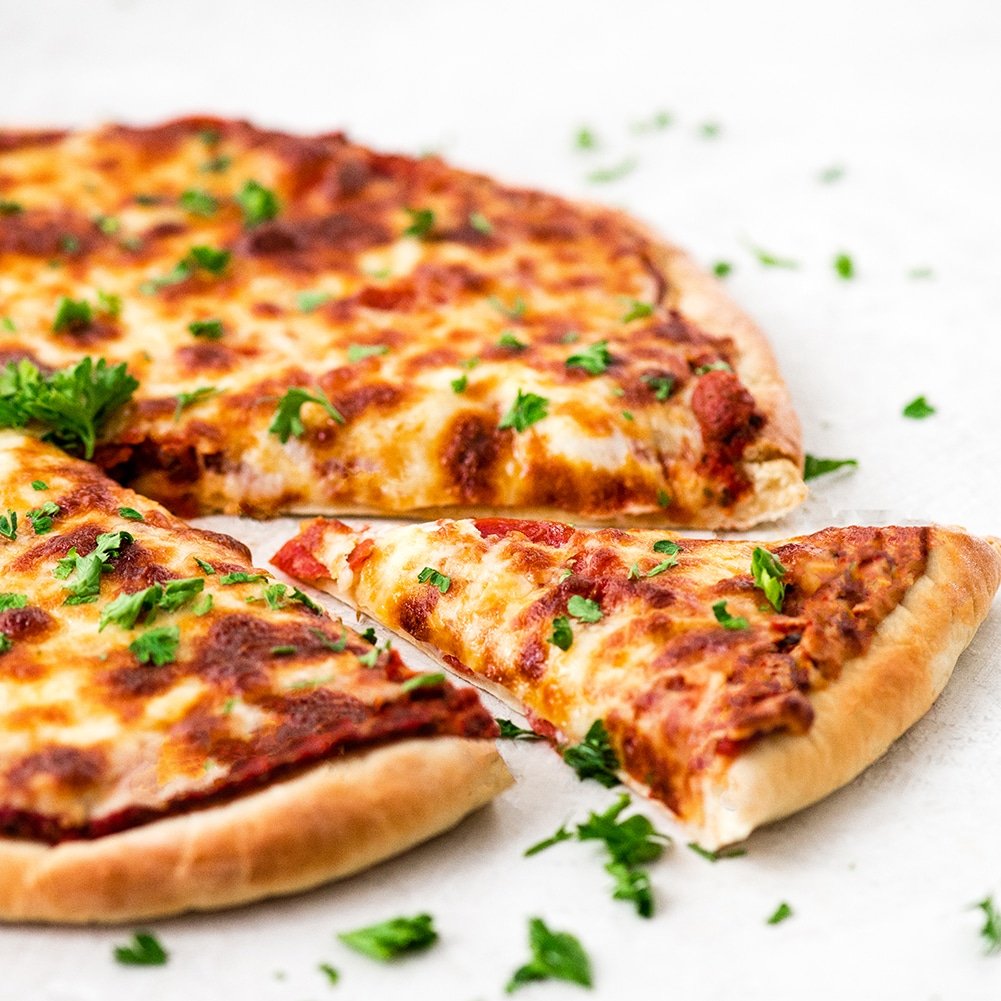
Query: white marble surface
905,97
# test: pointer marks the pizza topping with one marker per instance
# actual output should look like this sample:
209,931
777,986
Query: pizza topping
556,955
718,855
8,525
41,517
86,571
605,175
434,680
396,937
511,731
437,579
72,315
780,914
258,203
527,409
421,223
918,409
157,646
130,513
332,975
287,423
210,330
508,340
768,573
359,352
39,485
144,950
584,609
990,932
815,467
637,311
726,620
594,758
198,202
459,385
185,400
594,359
9,599
562,634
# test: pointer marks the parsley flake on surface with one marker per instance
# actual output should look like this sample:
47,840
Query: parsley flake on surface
481,223
258,204
421,223
6,643
511,731
814,467
594,757
728,621
131,513
288,423
198,202
144,950
716,856
39,485
655,123
157,646
459,385
584,609
8,525
217,165
9,599
8,324
660,385
780,914
844,267
41,517
359,352
555,956
513,312
437,579
717,366
770,260
242,577
562,634
919,274
334,645
615,172
72,314
209,330
561,835
637,310
389,939
310,301
204,566
329,972
710,130
990,932
722,268
8,207
286,650
918,409
87,570
526,410
594,359
831,174
508,340
768,573
185,400
585,139
432,680
663,498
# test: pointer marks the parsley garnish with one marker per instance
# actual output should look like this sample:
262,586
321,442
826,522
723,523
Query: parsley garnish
185,400
8,207
585,139
728,621
844,266
561,835
8,525
663,498
8,599
584,608
201,257
8,324
423,681
421,223
831,174
661,385
157,646
305,599
513,312
126,609
310,301
203,566
526,410
131,513
72,314
768,573
508,340
918,274
211,330
815,467
710,130
39,485
717,366
286,650
329,972
143,950
991,930
637,310
555,956
203,605
918,409
216,165
660,120
389,939
770,260
594,757
562,635
594,359
480,223
198,202
336,646
722,268
287,423
780,913
177,593
605,175
41,517
359,352
369,636
511,731
439,580
259,204
459,385
87,570
718,855
5,643
242,577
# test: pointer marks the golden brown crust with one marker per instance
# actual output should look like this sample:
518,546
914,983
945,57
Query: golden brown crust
876,699
330,821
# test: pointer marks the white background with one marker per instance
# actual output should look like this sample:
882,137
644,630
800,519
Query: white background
905,96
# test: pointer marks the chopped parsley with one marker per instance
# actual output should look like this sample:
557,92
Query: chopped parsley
198,202
584,609
768,573
39,485
216,165
660,385
919,274
526,410
308,302
286,650
423,681
710,130
831,174
157,646
990,932
508,340
667,547
8,207
594,757
5,643
334,645
287,422
305,599
359,352
585,139
131,513
481,223
434,577
561,835
459,385
203,605
718,855
655,123
41,517
637,310
185,400
663,498
918,409
770,260
203,566
511,731
728,621
421,223
605,175
242,577
127,609
198,258
329,972
562,634
594,359
721,269
513,312
86,570
144,950
780,914
369,636
259,204
8,324
8,525
68,243
717,366
72,314
389,939
177,593
844,267
814,467
555,956
8,599
210,330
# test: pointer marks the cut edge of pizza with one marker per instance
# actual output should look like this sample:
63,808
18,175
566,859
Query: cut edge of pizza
738,682
180,731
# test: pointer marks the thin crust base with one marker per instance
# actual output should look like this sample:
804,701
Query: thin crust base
333,820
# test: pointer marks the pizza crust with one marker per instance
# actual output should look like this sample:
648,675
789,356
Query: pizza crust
876,698
330,821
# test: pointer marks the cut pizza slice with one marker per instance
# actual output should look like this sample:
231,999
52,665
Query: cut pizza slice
737,681
319,328
178,730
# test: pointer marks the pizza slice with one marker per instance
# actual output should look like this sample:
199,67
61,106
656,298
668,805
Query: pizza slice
178,730
737,681
323,329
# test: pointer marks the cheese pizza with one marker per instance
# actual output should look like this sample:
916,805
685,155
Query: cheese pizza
319,328
737,681
181,731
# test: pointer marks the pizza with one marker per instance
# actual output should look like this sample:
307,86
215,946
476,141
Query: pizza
182,731
736,681
319,328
